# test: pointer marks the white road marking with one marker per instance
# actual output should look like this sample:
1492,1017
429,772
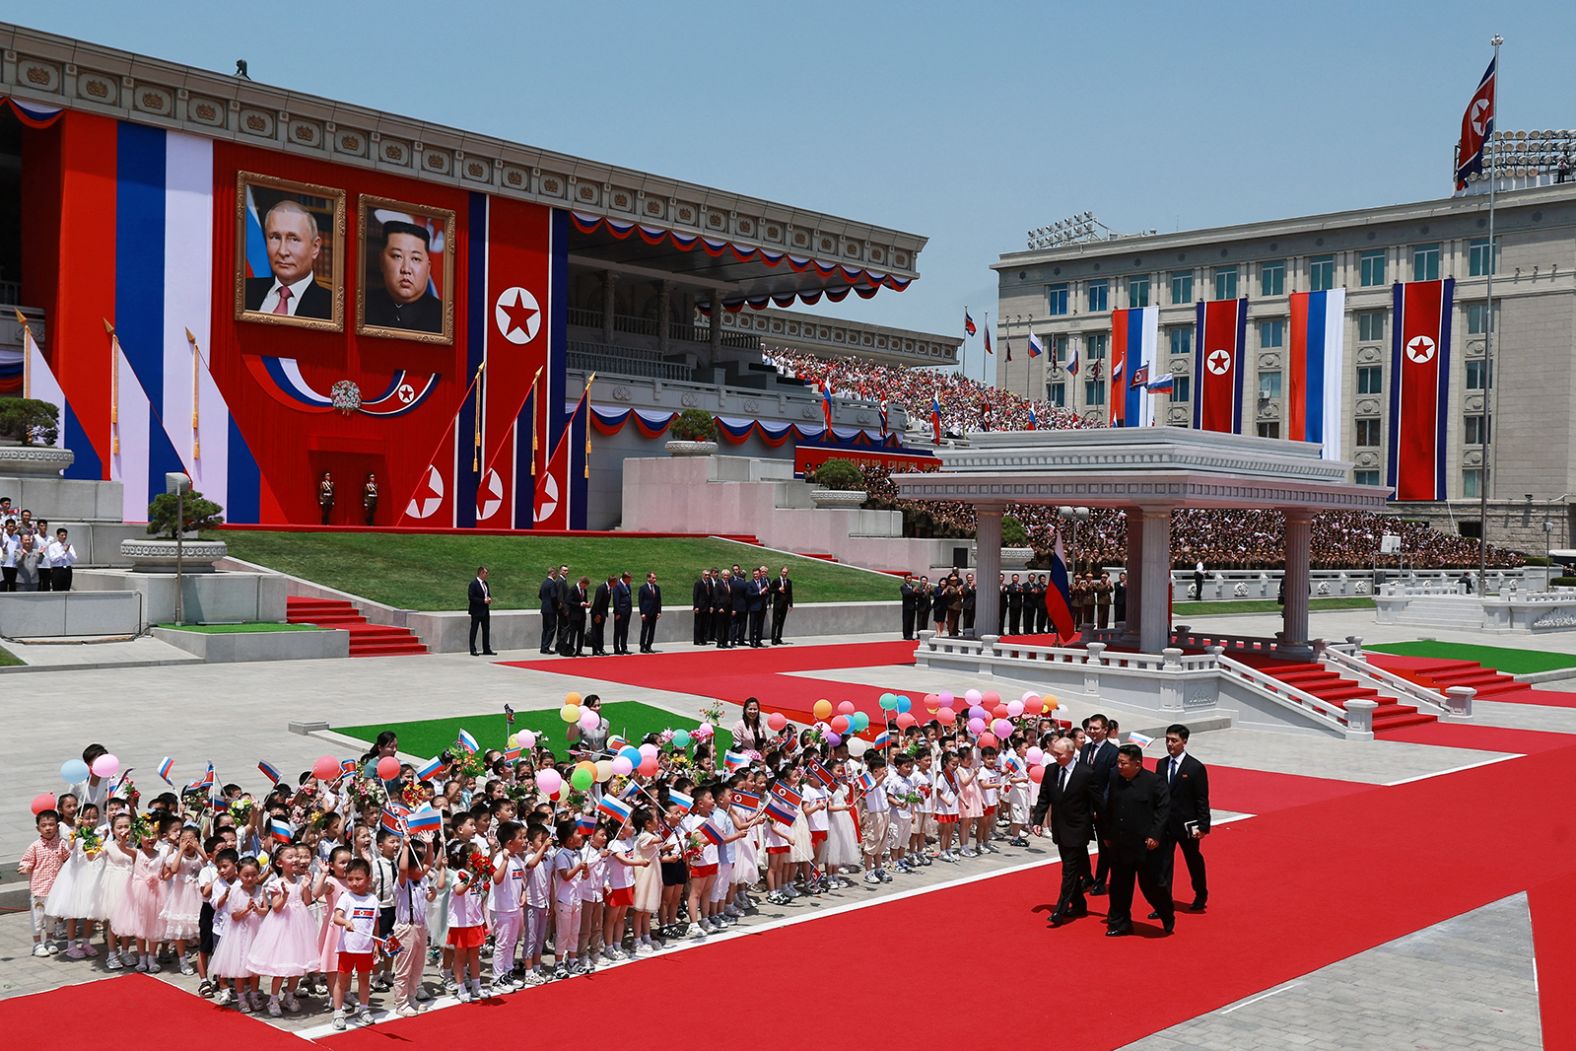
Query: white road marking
1256,999
1455,769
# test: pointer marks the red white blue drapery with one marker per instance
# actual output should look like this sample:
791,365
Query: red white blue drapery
33,114
736,430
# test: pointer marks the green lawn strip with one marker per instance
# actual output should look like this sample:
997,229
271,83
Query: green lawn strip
430,571
428,737
1500,658
9,659
239,629
1269,605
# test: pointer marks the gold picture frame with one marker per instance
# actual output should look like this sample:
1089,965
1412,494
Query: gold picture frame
316,227
398,259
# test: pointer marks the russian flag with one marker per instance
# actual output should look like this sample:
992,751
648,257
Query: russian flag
585,823
1313,369
616,744
429,770
826,402
206,780
1164,383
165,766
883,739
679,799
1135,341
38,381
712,833
1142,741
779,811
280,830
987,335
1420,390
866,782
614,808
735,760
1219,339
424,819
1034,421
467,742
1071,364
1059,596
935,417
268,771
1036,348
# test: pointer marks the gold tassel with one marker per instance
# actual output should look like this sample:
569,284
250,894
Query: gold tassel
535,442
587,398
196,394
114,389
27,357
476,451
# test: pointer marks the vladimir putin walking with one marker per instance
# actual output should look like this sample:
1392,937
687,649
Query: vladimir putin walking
481,613
1067,792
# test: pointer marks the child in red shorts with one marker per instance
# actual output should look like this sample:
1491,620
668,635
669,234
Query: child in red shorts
356,913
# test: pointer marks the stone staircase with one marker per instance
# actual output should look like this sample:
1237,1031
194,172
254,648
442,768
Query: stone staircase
1461,612
1328,686
366,640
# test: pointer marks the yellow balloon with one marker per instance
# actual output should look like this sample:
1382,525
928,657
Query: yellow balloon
604,770
572,698
514,740
822,709
569,713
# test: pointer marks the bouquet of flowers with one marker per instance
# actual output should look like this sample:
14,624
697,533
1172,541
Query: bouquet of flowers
912,798
413,795
364,790
141,828
479,865
694,846
126,789
471,764
92,842
241,810
712,713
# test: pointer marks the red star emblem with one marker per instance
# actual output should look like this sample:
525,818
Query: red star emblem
520,315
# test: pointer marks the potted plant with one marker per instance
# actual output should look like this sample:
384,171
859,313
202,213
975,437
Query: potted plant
694,433
838,483
29,427
1015,549
158,555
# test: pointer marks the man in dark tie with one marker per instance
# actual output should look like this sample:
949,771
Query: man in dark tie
1187,780
739,607
1099,754
782,602
1137,808
910,596
1014,606
970,603
756,594
574,635
722,610
623,606
548,595
1067,792
700,605
650,612
481,612
600,601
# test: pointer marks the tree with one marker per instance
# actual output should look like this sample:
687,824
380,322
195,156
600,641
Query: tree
1012,533
199,514
694,425
29,421
840,474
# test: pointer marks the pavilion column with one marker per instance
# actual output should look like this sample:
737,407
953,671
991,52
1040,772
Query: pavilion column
987,558
1294,614
1135,579
715,332
609,292
1154,616
664,315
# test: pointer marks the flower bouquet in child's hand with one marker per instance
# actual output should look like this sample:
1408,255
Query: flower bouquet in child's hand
241,810
92,842
479,865
712,713
694,846
912,799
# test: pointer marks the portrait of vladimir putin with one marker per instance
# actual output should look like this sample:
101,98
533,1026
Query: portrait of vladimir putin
294,244
401,296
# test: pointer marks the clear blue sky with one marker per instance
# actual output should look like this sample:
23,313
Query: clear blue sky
965,123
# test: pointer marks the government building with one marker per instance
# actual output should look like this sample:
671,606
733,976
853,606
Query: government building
1065,294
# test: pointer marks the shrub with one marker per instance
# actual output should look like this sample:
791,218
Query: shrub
695,425
29,421
1563,582
1012,533
199,513
1535,560
840,474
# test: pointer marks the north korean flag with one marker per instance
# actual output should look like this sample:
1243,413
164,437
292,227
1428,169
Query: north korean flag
1420,392
1477,124
1218,340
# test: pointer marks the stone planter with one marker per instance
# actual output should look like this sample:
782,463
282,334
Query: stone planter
679,447
1016,557
158,556
850,499
33,460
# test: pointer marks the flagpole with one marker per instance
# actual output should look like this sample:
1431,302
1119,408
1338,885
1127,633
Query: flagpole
1490,388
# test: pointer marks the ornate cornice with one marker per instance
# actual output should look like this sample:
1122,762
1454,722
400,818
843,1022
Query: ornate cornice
45,68
835,338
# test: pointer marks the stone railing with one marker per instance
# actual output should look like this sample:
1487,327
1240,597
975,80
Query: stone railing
1334,716
1356,667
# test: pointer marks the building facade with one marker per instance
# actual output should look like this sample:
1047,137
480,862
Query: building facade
1065,296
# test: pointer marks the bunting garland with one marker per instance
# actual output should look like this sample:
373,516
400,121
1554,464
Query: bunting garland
736,430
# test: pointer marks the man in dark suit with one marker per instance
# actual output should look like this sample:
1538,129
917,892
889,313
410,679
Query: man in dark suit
739,605
923,597
481,612
782,602
1187,781
970,601
566,596
579,603
547,594
700,604
291,290
1099,754
1033,604
910,596
650,612
623,606
1137,808
722,610
1067,792
600,602
405,300
1014,593
756,593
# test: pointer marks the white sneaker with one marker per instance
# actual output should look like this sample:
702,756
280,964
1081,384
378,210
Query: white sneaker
871,877
153,966
274,1010
364,1015
187,968
694,931
463,994
40,949
339,1020
406,1011
534,978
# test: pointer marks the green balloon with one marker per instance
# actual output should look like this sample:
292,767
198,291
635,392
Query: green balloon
581,780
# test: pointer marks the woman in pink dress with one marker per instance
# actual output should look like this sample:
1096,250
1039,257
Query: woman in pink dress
137,914
286,946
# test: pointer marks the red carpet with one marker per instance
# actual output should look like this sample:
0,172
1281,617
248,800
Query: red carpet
1553,908
366,640
1272,919
133,1012
1489,738
1491,685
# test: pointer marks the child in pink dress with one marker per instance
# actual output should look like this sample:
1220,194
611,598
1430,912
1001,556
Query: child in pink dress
246,904
137,914
182,901
114,885
286,944
971,801
329,886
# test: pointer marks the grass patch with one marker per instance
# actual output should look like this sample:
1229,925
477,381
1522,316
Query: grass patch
9,659
431,571
428,737
1500,658
259,626
1269,605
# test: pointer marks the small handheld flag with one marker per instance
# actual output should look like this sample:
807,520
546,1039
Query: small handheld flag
392,822
614,808
269,771
390,946
430,770
787,795
866,783
467,742
779,810
680,800
629,791
935,417
424,819
712,833
206,780
347,767
513,755
1133,737
814,768
586,823
165,766
883,739
280,830
746,800
735,760
616,744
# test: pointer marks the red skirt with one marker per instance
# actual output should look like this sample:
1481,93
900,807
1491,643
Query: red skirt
946,819
817,838
778,850
989,811
617,897
702,871
467,937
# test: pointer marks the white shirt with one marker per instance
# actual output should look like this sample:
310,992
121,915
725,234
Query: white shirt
1165,764
61,556
271,300
10,547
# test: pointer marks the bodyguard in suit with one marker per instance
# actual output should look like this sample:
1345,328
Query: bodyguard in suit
1187,781
623,606
970,599
599,607
908,592
1099,754
650,612
1137,810
700,604
1033,604
1067,793
481,612
548,596
923,597
782,602
573,638
757,593
739,605
722,610
1014,592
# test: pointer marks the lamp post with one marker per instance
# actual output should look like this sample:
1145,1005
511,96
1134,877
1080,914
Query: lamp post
180,485
1073,515
1548,566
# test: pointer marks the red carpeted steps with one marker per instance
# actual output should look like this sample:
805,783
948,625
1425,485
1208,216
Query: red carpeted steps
1439,674
822,555
366,640
1328,686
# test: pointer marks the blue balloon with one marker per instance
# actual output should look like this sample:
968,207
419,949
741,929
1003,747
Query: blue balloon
904,704
632,753
73,770
888,701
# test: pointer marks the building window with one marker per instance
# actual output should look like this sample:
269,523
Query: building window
1471,483
1096,344
1425,262
1056,300
1269,429
1269,385
1181,286
1321,273
1369,476
1272,278
1179,339
1477,318
1094,393
1272,332
1181,389
1138,291
1368,433
1225,282
1099,296
1059,349
1370,326
1478,373
1478,264
1477,429
1371,266
1370,379
1056,394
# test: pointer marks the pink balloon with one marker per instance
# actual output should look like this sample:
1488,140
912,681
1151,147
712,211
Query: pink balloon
776,720
1027,694
991,697
622,766
932,701
1036,774
106,766
326,768
527,739
1034,755
946,716
589,720
1014,709
1001,728
972,696
1033,705
42,802
650,751
549,781
998,711
833,740
989,741
905,720
648,766
945,699
846,707
976,726
388,768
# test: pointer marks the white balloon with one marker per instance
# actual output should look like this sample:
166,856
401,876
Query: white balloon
857,746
